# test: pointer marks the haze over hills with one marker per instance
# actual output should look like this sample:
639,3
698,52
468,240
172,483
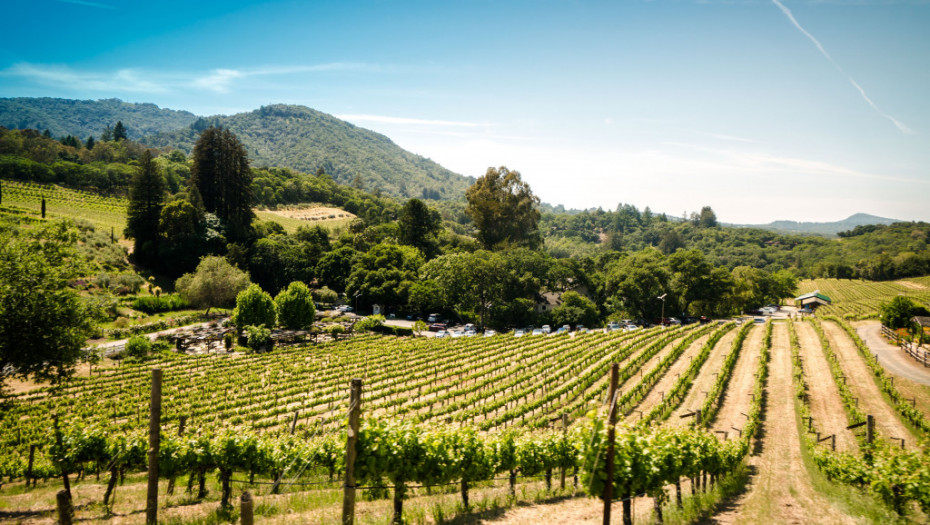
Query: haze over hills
83,118
305,139
279,135
820,228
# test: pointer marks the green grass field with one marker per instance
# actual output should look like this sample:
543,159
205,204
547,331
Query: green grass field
856,299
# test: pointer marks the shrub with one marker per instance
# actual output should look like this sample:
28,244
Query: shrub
254,307
152,304
370,323
295,306
138,346
325,295
258,338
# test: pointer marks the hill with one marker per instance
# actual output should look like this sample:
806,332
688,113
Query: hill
820,228
304,139
83,118
279,135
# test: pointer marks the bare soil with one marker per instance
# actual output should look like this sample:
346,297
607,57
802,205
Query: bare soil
861,382
668,380
704,380
780,490
826,404
317,213
736,397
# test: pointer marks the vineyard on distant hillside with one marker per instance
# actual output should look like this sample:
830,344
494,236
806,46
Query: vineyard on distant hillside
857,299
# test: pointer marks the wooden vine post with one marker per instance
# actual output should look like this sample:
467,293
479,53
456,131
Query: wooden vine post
611,436
348,494
246,509
65,510
151,499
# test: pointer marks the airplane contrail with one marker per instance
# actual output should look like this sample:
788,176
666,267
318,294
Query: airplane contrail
900,125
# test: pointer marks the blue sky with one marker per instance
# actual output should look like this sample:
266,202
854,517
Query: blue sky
778,109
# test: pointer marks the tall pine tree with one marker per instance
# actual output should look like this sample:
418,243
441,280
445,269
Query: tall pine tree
119,131
221,173
146,199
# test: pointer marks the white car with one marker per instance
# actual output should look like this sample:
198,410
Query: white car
490,333
441,334
519,333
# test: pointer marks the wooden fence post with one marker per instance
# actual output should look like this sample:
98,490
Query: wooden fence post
151,499
65,511
348,494
246,509
611,436
32,455
869,428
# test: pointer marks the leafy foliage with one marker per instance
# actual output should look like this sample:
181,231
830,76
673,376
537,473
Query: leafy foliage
254,307
295,306
504,210
214,283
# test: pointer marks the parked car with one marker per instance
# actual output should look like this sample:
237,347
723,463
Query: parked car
538,331
546,329
630,327
672,321
490,332
435,327
442,333
759,320
561,330
613,326
457,333
518,333
433,318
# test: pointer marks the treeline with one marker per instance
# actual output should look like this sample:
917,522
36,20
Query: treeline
873,252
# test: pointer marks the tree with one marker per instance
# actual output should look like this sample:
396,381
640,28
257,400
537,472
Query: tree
707,218
181,236
254,307
636,281
504,210
119,131
221,173
295,306
107,134
215,283
143,214
898,312
419,226
384,274
43,322
575,309
89,144
334,267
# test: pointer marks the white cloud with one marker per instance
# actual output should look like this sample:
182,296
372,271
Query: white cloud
219,80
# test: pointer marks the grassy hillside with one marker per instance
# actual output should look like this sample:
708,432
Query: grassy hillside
83,118
301,138
856,299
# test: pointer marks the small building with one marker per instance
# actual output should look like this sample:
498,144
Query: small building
548,301
812,300
921,321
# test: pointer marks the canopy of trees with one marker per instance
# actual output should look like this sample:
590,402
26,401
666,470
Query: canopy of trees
504,210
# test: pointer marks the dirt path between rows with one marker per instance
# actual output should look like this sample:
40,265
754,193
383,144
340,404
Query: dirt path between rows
704,380
859,377
780,490
669,378
891,357
736,399
826,404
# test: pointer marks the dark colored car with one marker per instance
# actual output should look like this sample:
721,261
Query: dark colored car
435,327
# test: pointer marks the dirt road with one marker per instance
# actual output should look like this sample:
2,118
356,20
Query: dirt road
890,356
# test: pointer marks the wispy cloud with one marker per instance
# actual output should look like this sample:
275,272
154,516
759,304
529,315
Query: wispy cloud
128,80
404,120
88,4
219,80
900,125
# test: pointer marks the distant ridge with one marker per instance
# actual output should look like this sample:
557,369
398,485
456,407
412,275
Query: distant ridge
820,228
83,118
278,135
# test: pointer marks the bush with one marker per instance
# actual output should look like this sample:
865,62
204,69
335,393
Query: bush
258,338
153,304
335,330
325,295
295,306
370,323
138,346
254,307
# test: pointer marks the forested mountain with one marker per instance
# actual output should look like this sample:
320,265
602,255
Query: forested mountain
821,228
304,139
83,118
278,135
